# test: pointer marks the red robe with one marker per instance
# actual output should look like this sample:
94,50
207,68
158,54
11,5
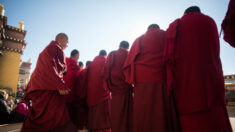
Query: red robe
98,96
48,109
145,57
96,92
144,68
194,72
80,116
121,102
81,83
73,103
228,25
72,68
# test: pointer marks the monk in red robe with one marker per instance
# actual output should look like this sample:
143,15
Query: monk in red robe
228,25
194,73
81,64
47,106
72,69
98,96
80,117
121,102
144,69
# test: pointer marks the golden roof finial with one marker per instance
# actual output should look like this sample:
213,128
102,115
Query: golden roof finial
21,25
2,10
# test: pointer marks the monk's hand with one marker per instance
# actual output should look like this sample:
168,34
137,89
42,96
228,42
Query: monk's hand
64,92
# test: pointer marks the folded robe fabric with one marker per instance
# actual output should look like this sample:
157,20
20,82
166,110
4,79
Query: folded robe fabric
48,110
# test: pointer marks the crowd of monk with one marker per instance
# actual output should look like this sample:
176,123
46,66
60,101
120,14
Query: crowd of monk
169,81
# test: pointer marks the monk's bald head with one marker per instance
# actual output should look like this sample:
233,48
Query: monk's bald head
87,63
62,39
103,53
192,9
152,26
61,36
74,54
124,45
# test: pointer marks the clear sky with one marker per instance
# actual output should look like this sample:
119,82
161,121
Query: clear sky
93,25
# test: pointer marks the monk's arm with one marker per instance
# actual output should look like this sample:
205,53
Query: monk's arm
58,67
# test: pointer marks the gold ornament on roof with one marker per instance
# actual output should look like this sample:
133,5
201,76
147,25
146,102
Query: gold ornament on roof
2,10
21,25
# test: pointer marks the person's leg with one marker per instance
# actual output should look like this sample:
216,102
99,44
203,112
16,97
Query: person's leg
149,108
99,116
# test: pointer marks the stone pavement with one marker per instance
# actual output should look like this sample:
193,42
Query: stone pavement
231,111
16,127
10,127
232,120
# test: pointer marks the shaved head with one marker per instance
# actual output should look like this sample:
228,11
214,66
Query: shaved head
62,39
192,9
124,44
61,35
103,53
153,26
87,63
75,54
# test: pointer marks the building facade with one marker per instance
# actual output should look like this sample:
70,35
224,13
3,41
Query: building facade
12,44
24,73
230,89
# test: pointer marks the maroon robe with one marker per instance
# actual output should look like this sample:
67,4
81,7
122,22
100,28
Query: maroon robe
48,111
194,73
121,102
81,83
72,68
80,116
228,25
98,96
74,103
144,68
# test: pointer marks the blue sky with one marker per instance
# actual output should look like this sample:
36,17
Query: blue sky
93,25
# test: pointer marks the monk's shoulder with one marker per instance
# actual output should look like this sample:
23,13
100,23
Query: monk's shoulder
173,24
208,22
112,53
136,42
211,20
197,17
53,50
98,60
161,33
71,61
172,29
231,5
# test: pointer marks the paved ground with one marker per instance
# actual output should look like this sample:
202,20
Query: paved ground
232,120
231,111
16,127
11,127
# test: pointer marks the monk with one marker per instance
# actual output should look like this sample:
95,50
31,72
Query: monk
194,73
98,96
72,69
121,102
228,25
144,69
87,63
81,64
81,115
46,89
